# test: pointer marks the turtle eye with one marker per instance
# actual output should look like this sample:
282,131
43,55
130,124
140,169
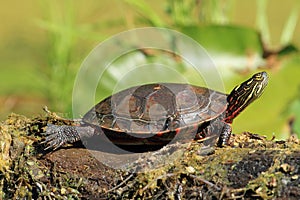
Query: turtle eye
261,76
258,76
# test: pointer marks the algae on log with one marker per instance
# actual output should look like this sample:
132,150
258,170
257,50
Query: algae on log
252,167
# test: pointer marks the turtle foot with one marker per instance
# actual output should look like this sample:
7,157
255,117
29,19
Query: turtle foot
56,136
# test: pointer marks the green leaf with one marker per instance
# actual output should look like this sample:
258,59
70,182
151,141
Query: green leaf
290,26
262,21
226,39
232,48
146,11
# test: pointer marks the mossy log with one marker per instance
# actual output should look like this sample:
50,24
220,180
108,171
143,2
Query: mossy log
251,167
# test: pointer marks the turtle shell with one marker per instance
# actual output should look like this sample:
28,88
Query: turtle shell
154,113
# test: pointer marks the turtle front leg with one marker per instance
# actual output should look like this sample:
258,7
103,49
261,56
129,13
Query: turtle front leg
57,136
217,128
225,135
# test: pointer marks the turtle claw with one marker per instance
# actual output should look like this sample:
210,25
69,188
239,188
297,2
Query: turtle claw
53,138
57,136
53,145
53,142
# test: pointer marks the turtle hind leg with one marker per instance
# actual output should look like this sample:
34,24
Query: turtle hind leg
57,136
225,135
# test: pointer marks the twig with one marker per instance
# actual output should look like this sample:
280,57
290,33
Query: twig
206,182
119,185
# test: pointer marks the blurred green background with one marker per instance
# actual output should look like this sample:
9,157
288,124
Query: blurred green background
43,44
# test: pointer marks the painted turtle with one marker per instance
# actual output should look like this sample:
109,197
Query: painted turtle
152,114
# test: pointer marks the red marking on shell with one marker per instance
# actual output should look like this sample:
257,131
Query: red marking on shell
160,133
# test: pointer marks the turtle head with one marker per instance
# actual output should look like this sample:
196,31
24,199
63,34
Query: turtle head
244,94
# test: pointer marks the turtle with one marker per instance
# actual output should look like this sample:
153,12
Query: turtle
153,114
